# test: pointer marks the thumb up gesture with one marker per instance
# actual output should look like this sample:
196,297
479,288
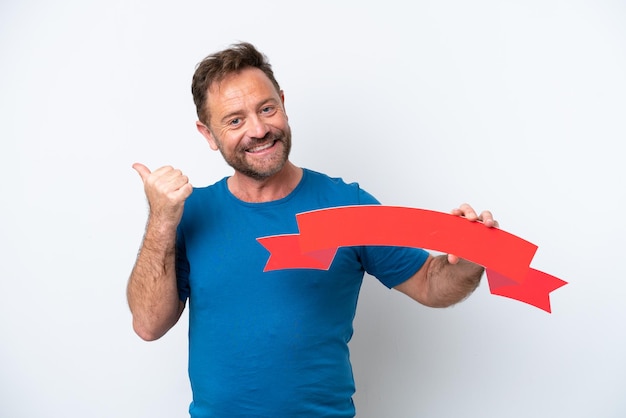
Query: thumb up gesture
167,189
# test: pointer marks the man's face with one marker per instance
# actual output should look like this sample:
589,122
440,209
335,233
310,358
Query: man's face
248,124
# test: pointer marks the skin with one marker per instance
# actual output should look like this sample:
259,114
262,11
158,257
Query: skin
249,126
152,293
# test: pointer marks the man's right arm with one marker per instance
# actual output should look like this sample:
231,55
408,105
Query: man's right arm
152,292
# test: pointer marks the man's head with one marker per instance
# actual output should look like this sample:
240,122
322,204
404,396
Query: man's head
241,111
215,67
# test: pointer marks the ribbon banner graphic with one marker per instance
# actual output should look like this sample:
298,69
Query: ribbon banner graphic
506,257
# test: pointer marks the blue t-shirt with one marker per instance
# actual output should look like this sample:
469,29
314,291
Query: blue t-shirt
273,344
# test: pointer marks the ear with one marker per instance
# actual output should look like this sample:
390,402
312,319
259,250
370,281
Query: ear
206,133
282,99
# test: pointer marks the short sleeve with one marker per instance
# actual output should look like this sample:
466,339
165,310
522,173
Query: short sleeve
390,265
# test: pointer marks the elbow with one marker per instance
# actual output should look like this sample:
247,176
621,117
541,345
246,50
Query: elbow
146,333
435,303
153,325
447,302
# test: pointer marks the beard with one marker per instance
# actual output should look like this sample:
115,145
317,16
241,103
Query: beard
267,167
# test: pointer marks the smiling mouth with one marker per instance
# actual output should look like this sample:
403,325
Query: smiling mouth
262,147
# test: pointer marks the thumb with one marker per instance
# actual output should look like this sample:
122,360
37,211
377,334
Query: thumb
453,259
143,171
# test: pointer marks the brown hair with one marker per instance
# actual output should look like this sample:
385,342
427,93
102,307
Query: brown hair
217,66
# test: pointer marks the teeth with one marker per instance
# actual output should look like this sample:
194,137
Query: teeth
261,147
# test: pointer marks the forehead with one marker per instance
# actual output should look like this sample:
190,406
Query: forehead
239,88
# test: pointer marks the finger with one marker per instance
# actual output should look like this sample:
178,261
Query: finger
453,259
177,181
183,192
144,172
169,178
465,211
487,218
162,171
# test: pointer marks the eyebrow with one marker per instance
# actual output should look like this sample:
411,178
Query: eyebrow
229,116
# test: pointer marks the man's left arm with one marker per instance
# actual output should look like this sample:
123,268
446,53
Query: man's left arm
445,280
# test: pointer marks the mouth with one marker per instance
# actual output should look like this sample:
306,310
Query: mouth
260,148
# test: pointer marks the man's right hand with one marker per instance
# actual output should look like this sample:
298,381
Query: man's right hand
166,189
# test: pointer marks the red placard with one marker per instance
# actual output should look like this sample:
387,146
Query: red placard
505,257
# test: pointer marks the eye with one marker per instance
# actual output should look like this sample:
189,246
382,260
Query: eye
267,110
235,122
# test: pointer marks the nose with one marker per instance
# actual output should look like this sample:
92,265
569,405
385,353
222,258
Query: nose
257,128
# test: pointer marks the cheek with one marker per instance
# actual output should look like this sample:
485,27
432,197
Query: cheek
230,144
222,141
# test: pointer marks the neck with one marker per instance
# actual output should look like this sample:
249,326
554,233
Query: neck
266,190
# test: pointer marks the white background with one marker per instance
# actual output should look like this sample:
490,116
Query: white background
518,107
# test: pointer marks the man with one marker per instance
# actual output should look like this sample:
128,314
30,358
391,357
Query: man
264,344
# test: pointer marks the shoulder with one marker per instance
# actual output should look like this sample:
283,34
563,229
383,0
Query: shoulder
337,187
214,189
202,199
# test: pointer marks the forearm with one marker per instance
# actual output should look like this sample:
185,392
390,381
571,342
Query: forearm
152,292
448,284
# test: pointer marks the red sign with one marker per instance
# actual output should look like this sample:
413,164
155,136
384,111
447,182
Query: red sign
506,258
